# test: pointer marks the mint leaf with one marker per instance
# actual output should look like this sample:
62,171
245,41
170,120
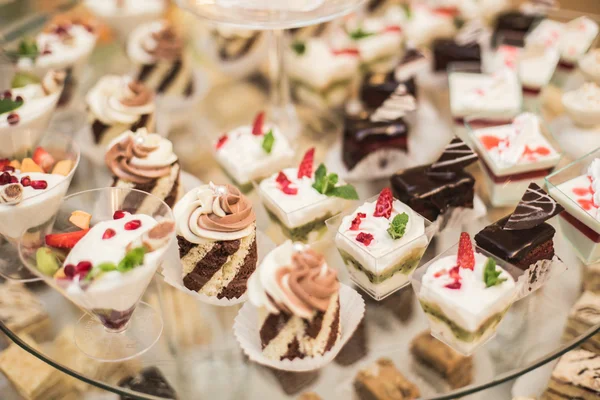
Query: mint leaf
28,48
22,79
8,105
344,192
407,10
491,276
133,258
359,34
320,176
397,227
299,47
268,140
99,270
325,184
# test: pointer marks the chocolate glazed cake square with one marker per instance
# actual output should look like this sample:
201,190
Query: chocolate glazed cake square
514,24
446,51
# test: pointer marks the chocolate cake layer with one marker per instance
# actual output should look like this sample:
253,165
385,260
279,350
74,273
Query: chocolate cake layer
514,25
171,198
149,380
239,284
207,266
335,328
378,87
99,128
273,324
446,51
432,194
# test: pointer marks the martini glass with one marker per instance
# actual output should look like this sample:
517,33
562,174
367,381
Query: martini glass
275,17
116,326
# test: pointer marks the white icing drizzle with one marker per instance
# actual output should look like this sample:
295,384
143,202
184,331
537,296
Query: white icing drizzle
396,106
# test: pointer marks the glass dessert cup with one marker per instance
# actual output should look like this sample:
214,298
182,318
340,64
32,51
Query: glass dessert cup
398,263
36,210
577,224
475,328
116,326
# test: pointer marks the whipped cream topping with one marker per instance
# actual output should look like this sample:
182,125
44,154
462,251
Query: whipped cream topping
153,42
590,64
382,38
109,8
293,279
37,99
140,157
119,99
213,212
586,98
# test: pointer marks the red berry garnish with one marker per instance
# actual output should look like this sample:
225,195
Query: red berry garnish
19,98
69,270
454,285
4,161
289,190
5,178
384,205
13,118
392,28
346,52
364,238
109,233
257,126
26,181
356,221
284,184
466,256
39,185
14,179
7,94
455,273
306,166
221,141
118,214
440,273
133,225
83,267
8,168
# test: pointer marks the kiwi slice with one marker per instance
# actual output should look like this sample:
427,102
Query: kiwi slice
46,260
22,79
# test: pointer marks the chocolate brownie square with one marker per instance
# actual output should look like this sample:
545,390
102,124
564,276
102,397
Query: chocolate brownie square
446,51
514,24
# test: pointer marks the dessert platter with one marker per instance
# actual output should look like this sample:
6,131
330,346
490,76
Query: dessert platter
183,236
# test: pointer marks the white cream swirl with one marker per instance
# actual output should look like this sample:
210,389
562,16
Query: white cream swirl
162,154
64,46
106,101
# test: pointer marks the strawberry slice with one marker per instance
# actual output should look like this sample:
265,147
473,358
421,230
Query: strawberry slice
364,238
285,184
383,208
65,240
356,221
289,190
42,158
454,285
392,28
221,141
466,256
346,52
306,166
259,121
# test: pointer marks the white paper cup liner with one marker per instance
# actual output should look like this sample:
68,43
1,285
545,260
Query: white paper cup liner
172,272
246,330
538,274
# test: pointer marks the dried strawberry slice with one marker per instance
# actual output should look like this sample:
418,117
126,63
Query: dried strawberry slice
454,285
454,273
221,141
356,221
346,52
364,238
465,257
383,208
306,166
284,184
289,190
259,121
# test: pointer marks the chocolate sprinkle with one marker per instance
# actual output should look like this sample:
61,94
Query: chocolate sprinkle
535,207
456,157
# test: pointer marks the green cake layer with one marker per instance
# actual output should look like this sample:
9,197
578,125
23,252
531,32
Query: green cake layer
405,266
301,233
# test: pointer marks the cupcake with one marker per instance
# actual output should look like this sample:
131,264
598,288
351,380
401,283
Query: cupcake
216,233
157,51
125,15
145,161
297,295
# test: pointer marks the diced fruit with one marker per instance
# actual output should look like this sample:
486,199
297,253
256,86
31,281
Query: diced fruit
221,141
118,214
83,267
133,225
356,221
13,118
5,161
14,179
466,256
454,285
46,261
69,271
5,178
16,164
25,181
259,121
306,166
384,205
39,185
28,165
65,240
289,190
285,184
60,274
346,52
8,168
42,158
63,167
364,238
80,219
109,233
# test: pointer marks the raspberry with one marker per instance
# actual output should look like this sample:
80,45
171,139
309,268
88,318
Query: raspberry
221,141
259,121
383,208
284,184
356,221
306,166
465,257
364,238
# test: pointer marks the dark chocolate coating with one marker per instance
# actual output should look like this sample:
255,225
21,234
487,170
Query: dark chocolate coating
514,25
446,51
377,88
150,381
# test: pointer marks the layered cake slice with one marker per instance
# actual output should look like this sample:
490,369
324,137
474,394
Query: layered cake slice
514,24
216,233
22,313
584,316
250,153
450,284
575,377
117,104
383,381
149,380
464,47
381,243
158,53
300,200
297,295
145,161
431,190
513,156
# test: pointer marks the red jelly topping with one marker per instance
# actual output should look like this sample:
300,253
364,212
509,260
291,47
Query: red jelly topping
346,52
489,142
364,238
582,191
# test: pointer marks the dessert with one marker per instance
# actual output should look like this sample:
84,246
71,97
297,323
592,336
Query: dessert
125,15
297,295
432,190
381,243
301,200
383,381
237,51
158,53
117,104
464,47
495,97
575,377
251,153
591,278
454,368
523,238
514,24
583,105
589,65
310,31
25,110
216,233
513,156
145,161
321,75
22,313
584,316
449,285
149,380
424,24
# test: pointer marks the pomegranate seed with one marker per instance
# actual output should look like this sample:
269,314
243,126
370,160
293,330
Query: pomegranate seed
118,214
8,168
5,178
454,285
39,185
14,179
13,118
19,98
26,181
7,94
69,270
133,225
83,267
108,234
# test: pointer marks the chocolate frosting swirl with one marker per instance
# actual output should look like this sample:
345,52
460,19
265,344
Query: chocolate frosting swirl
311,280
118,159
238,211
137,95
167,45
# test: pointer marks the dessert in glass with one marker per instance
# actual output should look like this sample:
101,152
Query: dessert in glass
301,199
589,65
512,156
583,105
465,293
381,243
252,152
101,253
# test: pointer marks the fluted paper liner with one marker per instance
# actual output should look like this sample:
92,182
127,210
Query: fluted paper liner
173,275
538,274
246,329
